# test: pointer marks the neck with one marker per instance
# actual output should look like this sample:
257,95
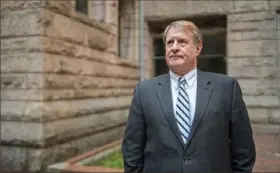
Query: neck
182,72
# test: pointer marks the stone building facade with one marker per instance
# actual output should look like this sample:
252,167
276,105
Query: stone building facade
241,39
68,68
66,82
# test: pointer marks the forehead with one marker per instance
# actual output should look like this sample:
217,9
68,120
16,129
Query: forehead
178,32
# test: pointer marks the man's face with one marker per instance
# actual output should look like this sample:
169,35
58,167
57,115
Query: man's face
181,51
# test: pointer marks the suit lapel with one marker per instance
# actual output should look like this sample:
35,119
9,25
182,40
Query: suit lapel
165,98
204,91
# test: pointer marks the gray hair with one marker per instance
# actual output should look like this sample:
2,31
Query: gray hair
185,25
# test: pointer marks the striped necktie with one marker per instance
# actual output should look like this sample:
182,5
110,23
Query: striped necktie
183,110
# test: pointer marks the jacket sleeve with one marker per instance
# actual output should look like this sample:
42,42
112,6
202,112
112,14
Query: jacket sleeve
134,137
242,146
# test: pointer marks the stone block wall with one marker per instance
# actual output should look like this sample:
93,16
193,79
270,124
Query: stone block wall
252,49
64,90
148,53
252,58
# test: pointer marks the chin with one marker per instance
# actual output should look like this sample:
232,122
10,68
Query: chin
176,64
179,68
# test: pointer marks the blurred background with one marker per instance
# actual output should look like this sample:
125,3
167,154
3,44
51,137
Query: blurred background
68,70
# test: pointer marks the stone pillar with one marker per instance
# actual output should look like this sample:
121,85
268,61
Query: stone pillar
112,18
97,10
127,27
21,83
149,54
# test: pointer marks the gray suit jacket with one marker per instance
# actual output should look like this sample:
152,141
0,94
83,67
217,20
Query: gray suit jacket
220,139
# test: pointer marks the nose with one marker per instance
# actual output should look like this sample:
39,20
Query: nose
175,47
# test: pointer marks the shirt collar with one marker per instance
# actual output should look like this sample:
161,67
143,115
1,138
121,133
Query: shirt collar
190,78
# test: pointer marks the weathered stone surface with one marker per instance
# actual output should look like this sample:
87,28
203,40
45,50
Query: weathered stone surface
106,27
21,23
63,7
262,101
240,6
13,158
63,109
252,25
38,134
258,115
251,35
91,105
11,109
16,81
16,132
21,45
35,80
274,4
68,8
266,87
21,94
28,159
73,31
36,111
65,65
252,61
96,10
74,81
274,116
81,145
42,111
251,16
8,6
72,128
127,30
73,50
180,9
251,48
113,44
13,80
266,128
22,62
56,46
252,71
59,94
112,15
23,111
196,7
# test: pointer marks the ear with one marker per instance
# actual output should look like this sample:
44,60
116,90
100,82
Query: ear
199,47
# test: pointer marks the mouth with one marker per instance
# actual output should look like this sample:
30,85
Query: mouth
175,56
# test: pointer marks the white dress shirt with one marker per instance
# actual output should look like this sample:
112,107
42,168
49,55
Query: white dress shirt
191,88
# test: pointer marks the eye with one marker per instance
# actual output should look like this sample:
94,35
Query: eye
170,42
182,41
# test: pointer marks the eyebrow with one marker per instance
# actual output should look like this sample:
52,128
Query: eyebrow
178,37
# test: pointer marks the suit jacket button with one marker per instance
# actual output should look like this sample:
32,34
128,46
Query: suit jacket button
186,159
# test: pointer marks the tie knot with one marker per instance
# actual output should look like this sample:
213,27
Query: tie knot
182,81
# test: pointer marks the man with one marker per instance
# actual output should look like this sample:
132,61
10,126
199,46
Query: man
187,120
